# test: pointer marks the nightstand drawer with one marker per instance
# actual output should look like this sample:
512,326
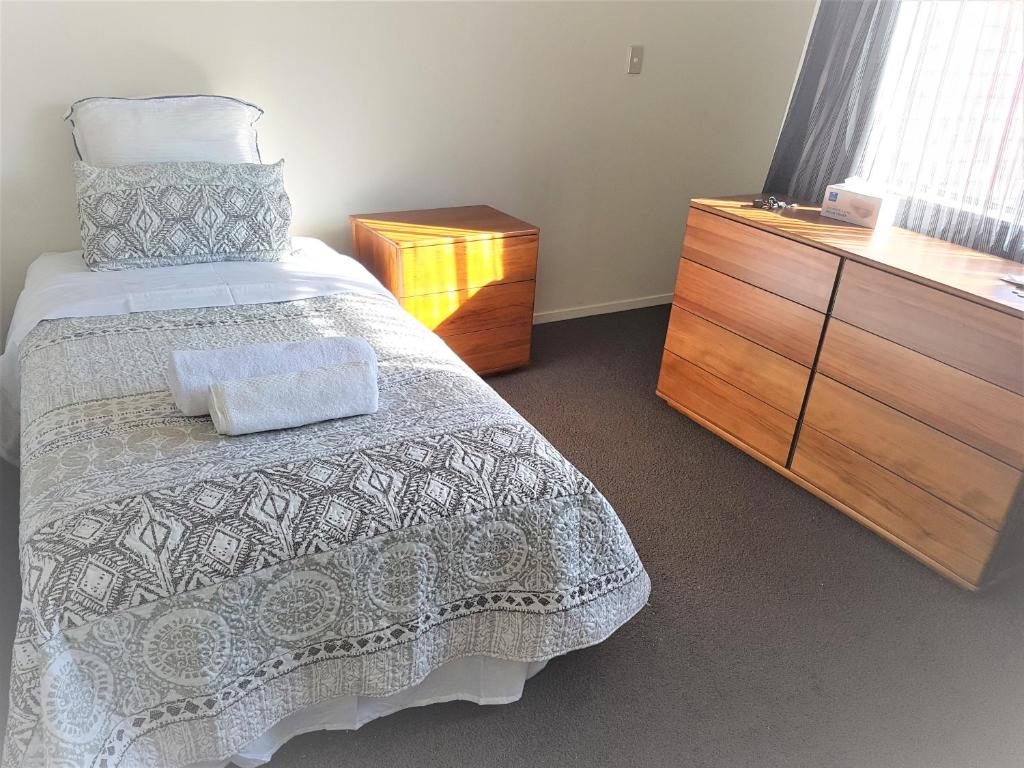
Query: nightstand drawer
970,409
981,341
474,309
960,475
495,349
467,273
926,525
781,325
757,424
760,372
468,264
798,272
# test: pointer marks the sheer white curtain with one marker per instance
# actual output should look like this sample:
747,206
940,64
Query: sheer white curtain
947,126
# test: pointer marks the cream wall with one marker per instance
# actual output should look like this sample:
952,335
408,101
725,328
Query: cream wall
389,106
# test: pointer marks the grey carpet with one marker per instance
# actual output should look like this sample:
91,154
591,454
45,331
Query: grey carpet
779,633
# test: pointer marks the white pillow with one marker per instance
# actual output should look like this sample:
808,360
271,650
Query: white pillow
111,131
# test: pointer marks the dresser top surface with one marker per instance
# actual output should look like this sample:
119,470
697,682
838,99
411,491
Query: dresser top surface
952,268
438,226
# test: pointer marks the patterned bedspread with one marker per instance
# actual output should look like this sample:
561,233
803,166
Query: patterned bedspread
183,592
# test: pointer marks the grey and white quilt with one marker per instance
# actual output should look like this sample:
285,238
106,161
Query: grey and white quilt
183,591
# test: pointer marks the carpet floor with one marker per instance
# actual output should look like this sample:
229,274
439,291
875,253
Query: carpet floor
779,632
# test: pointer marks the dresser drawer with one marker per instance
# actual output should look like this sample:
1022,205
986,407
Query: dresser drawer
765,429
970,480
469,264
923,524
983,342
980,414
494,349
760,372
781,325
474,309
798,272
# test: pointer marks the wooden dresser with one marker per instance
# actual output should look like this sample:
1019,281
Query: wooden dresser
883,372
467,273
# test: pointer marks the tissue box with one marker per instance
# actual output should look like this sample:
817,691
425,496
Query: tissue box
858,206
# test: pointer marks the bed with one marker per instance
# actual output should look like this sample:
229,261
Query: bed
191,599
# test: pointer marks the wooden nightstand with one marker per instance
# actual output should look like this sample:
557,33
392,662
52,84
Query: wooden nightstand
466,273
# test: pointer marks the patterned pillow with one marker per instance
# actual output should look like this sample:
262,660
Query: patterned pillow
164,214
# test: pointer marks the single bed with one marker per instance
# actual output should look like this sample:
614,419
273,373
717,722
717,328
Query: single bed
190,599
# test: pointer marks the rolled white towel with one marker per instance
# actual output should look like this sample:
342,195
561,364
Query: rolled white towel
285,400
190,372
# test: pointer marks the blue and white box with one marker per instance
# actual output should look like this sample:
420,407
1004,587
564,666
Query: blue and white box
856,202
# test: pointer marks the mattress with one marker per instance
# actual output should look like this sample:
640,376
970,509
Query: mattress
189,597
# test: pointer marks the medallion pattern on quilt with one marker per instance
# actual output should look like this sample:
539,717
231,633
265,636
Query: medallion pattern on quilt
163,214
169,573
133,550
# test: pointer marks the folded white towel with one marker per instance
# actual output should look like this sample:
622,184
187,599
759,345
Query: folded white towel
286,400
190,372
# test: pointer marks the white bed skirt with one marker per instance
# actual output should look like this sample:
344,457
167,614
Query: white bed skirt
479,679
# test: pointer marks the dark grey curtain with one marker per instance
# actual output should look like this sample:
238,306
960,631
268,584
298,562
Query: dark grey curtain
830,112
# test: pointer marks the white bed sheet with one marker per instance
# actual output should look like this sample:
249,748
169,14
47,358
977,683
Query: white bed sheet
479,679
60,285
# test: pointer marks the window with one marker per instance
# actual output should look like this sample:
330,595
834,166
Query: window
947,129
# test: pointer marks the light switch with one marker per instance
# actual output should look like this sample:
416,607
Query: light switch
636,60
